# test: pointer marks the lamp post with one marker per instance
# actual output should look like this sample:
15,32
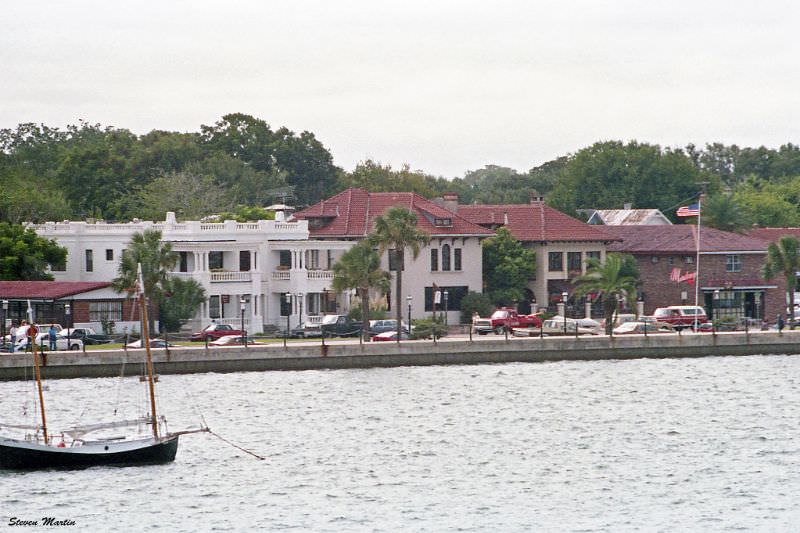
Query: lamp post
5,314
300,300
68,312
409,299
288,315
715,312
564,296
242,308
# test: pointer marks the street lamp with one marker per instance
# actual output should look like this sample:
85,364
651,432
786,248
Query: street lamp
68,312
243,307
715,311
564,296
300,299
5,313
409,298
288,297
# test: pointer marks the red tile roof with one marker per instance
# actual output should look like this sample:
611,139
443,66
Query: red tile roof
47,290
535,222
679,238
773,234
351,214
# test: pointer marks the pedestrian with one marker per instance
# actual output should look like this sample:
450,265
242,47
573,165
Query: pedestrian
781,323
51,336
13,334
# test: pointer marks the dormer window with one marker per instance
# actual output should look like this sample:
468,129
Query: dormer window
442,222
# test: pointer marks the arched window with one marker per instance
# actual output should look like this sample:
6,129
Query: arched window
446,257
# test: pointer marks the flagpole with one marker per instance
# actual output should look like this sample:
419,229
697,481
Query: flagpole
697,261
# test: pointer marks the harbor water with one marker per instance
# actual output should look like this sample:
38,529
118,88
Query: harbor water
709,444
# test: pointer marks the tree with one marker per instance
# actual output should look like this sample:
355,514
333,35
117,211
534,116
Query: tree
359,269
475,302
722,212
157,260
191,197
616,278
375,177
396,230
507,267
783,258
24,256
181,301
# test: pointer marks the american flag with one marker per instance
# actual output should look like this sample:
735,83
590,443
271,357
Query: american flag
689,211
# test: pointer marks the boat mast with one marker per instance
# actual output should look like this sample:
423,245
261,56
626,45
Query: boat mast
146,342
33,331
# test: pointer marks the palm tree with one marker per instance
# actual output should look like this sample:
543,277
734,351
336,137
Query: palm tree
157,260
616,278
783,258
395,231
360,268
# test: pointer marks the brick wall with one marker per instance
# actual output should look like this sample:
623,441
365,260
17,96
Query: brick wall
660,291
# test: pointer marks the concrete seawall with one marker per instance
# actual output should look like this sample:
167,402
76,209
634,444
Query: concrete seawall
308,356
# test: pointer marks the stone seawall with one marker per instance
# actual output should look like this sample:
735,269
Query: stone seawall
308,356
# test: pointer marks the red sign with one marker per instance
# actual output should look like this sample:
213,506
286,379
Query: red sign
677,277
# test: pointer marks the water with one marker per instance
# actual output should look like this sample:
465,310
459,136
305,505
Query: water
648,445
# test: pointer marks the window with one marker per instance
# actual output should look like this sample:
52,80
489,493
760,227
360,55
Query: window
285,259
670,260
439,222
457,259
312,262
330,259
105,311
446,257
244,261
183,261
395,259
109,254
733,263
574,261
555,261
434,259
688,259
454,296
89,261
215,260
593,255
213,307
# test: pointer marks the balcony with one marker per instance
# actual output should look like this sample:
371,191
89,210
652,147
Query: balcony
224,277
281,275
326,275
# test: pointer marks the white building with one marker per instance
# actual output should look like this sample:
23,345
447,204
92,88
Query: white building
249,266
452,262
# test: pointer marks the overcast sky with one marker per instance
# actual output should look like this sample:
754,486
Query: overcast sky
445,86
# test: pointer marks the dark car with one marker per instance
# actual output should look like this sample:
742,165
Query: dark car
376,327
340,326
87,335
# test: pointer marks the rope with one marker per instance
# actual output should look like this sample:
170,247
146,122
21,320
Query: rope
226,441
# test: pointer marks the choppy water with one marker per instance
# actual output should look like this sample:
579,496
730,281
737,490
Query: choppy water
652,445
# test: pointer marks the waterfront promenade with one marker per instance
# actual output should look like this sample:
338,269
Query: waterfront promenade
351,354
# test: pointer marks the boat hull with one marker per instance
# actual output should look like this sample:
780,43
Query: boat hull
22,455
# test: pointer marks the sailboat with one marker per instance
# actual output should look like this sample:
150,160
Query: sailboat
38,450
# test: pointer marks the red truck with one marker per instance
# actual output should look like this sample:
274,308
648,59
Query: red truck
214,332
504,318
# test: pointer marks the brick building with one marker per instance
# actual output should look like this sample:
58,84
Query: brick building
730,283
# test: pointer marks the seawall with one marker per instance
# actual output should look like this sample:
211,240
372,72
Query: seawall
310,356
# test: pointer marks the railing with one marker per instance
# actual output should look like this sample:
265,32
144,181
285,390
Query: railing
281,275
230,276
314,319
320,274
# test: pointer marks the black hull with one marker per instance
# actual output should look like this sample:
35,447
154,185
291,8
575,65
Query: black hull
25,458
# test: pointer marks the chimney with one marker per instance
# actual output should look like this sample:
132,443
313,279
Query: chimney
627,207
535,197
450,200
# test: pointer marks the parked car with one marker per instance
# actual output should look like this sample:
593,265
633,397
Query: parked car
234,340
555,327
632,328
504,318
215,331
87,335
381,326
681,316
389,336
154,343
305,330
43,341
340,326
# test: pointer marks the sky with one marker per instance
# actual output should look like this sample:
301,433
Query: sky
443,86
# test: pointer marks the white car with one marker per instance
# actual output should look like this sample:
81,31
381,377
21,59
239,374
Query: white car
43,341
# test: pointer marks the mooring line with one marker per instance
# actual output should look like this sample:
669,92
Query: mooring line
223,439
